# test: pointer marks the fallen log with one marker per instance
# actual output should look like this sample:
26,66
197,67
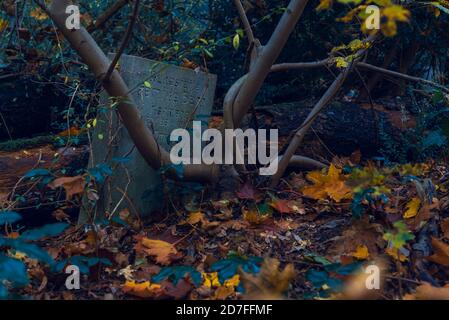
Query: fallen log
342,128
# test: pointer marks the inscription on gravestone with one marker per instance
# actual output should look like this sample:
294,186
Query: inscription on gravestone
168,97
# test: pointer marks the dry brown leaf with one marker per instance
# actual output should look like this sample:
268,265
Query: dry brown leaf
441,252
360,233
428,292
223,292
163,252
71,185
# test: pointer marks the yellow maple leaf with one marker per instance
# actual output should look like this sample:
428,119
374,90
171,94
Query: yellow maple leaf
361,253
393,14
211,279
412,208
232,282
341,62
330,185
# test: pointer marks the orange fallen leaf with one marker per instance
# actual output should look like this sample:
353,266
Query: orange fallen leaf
163,252
142,290
72,131
199,218
330,185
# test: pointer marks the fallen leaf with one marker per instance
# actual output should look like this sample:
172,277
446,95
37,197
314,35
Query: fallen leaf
233,282
441,252
222,293
143,290
163,252
287,206
71,185
330,185
253,216
211,279
396,254
412,208
361,252
247,192
199,218
428,292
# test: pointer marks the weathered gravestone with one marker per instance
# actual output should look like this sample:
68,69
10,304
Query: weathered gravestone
168,97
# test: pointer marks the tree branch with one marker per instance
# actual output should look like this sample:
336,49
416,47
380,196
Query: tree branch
401,76
258,73
300,133
245,21
112,10
128,34
145,142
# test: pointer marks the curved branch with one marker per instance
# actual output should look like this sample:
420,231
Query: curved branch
305,163
128,34
145,142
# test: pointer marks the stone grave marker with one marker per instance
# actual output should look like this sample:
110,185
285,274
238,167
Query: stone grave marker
168,97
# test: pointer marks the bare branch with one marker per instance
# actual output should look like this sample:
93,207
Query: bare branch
321,104
245,21
128,34
111,11
401,76
300,65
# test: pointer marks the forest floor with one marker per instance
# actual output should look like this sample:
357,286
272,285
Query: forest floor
313,237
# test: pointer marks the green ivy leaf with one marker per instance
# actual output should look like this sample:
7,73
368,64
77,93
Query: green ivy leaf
9,217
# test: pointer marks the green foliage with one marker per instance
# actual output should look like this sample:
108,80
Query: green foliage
13,272
227,268
400,236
